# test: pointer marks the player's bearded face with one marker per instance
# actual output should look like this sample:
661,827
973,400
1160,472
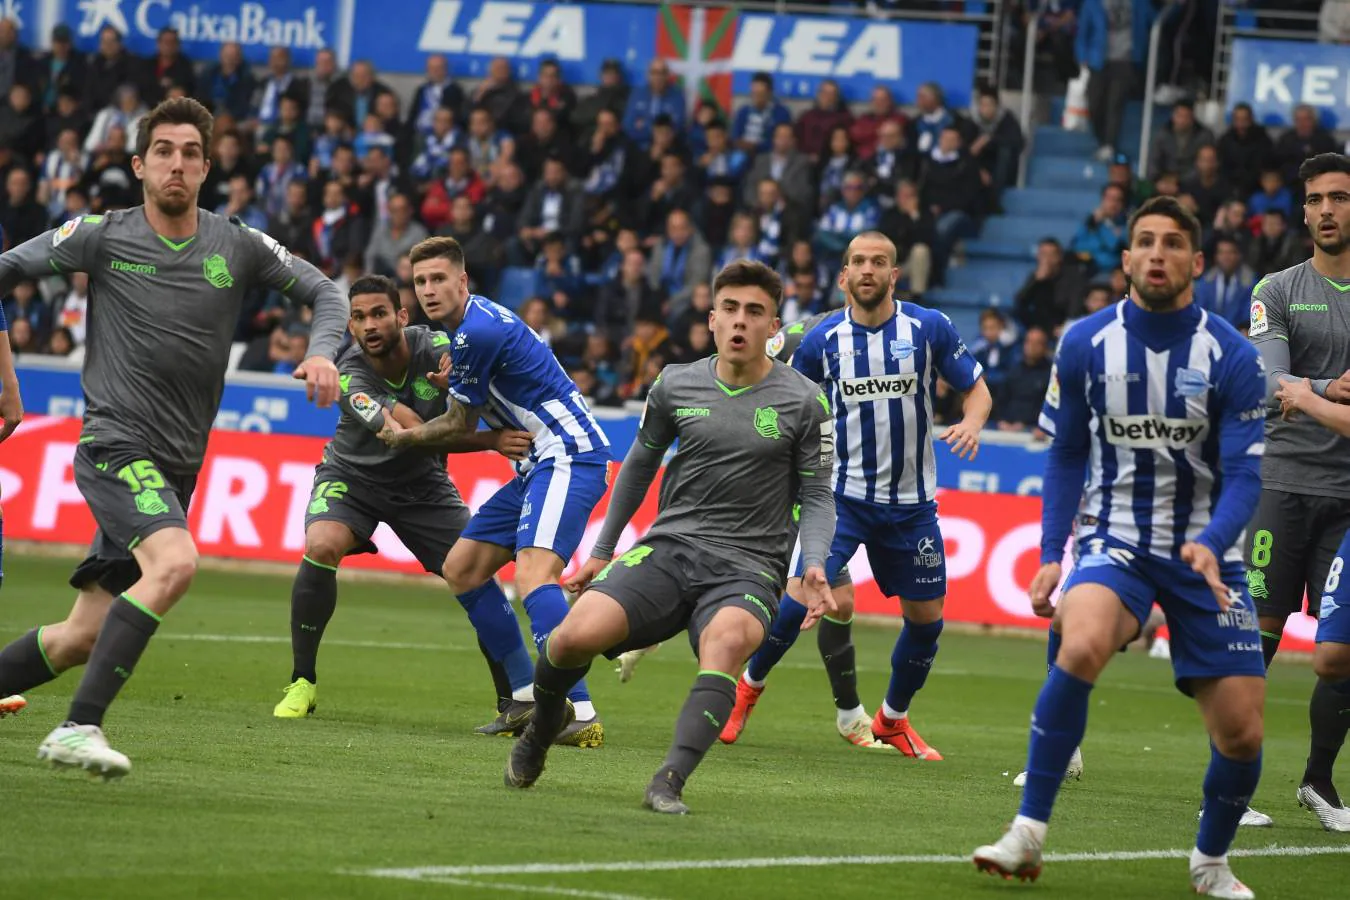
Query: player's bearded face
1161,262
870,289
375,326
870,273
1327,212
174,168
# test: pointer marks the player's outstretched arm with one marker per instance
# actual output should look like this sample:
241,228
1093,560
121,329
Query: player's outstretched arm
630,488
1065,418
976,406
11,404
1296,395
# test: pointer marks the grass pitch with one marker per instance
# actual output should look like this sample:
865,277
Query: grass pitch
226,802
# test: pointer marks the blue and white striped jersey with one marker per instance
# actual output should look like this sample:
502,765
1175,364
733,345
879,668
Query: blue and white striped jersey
1157,420
880,384
500,366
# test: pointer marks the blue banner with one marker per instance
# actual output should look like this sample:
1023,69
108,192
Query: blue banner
701,43
303,26
1276,76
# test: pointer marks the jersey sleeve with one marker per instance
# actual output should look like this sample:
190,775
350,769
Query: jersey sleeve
1065,417
362,399
475,354
815,465
808,358
954,362
275,267
656,428
74,247
1241,417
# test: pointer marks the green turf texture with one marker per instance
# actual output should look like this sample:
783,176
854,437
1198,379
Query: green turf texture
226,802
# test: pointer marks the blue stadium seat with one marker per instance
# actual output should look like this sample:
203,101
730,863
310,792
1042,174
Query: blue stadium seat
517,284
1040,201
1029,228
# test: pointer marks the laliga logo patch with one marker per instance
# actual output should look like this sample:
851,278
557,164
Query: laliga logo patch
776,344
364,406
65,231
901,349
1259,323
1190,382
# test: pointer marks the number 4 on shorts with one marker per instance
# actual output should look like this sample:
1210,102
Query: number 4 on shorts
630,559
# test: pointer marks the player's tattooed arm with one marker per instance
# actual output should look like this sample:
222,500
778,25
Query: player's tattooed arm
455,424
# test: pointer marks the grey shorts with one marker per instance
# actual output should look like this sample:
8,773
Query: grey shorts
1289,547
131,498
427,515
667,585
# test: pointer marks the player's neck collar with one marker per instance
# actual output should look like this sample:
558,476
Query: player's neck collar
895,311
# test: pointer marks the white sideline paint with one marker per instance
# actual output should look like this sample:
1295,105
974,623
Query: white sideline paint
429,873
552,890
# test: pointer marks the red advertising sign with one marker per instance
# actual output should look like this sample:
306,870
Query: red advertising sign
251,497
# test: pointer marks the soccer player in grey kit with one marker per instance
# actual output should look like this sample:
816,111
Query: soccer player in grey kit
166,281
753,435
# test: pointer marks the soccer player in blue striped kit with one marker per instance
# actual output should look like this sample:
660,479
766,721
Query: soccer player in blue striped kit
1158,408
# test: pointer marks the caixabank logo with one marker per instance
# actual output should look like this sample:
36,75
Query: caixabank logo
301,27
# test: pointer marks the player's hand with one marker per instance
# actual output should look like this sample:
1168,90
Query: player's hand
816,597
321,380
1042,586
11,412
963,438
441,377
514,445
1201,559
393,434
1338,391
1294,394
582,577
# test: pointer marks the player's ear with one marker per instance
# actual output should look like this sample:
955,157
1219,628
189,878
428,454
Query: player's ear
1125,260
138,167
402,316
1198,264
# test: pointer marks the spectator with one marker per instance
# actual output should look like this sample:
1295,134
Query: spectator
952,190
241,204
125,112
1230,223
786,166
275,178
354,94
1023,394
780,222
679,260
483,254
109,68
657,97
169,68
553,204
68,114
1055,31
394,237
109,182
560,281
1112,42
72,312
1049,291
837,160
62,169
378,182
15,62
998,142
1175,147
22,216
1096,299
460,181
542,142
714,211
995,349
852,214
700,304
293,227
611,95
437,92
60,343
1207,186
434,156
892,161
1276,248
802,258
290,124
644,168
645,352
20,124
1273,195
598,361
1226,289
933,119
1333,22
752,130
1244,150
804,296
504,203
499,94
721,160
865,129
552,94
227,160
339,234
323,79
60,69
280,352
488,146
374,134
743,243
1101,238
1136,189
227,87
696,343
26,305
22,338
625,298
911,226
1307,138
814,127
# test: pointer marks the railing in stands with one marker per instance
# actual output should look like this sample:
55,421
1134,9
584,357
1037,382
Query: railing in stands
1028,96
1256,22
1150,84
989,15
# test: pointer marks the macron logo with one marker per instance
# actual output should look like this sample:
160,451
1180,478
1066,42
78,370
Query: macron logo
879,387
1154,432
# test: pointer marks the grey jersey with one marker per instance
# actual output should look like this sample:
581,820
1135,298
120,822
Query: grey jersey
365,394
1300,321
785,343
743,455
162,316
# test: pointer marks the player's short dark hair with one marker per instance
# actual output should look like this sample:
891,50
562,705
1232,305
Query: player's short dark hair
750,273
1323,164
376,284
1172,209
438,248
763,78
179,111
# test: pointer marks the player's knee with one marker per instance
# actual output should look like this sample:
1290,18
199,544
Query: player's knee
69,644
1241,739
1331,662
323,550
1083,658
843,601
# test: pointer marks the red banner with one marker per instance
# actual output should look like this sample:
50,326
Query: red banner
251,497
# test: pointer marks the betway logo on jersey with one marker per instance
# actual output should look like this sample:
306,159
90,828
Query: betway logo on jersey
211,22
878,387
1154,432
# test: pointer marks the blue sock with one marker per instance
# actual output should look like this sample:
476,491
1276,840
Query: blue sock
1229,785
491,616
910,661
547,606
782,635
1057,726
1052,649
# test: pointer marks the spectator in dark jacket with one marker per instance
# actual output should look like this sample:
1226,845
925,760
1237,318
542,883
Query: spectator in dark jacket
169,68
626,298
1243,150
355,93
554,204
881,109
1208,186
437,91
21,123
1044,300
228,85
1276,248
952,190
995,349
22,217
752,129
550,92
910,225
892,161
1018,408
544,140
815,125
1175,147
998,141
1307,138
499,94
61,68
612,94
110,68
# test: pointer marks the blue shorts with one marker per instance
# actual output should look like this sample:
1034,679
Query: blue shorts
904,547
548,507
1333,618
1206,643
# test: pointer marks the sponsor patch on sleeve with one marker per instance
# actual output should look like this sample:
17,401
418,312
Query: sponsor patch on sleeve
1052,392
364,406
775,345
65,231
1259,324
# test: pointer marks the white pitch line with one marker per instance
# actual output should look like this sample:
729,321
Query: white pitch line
508,888
419,873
